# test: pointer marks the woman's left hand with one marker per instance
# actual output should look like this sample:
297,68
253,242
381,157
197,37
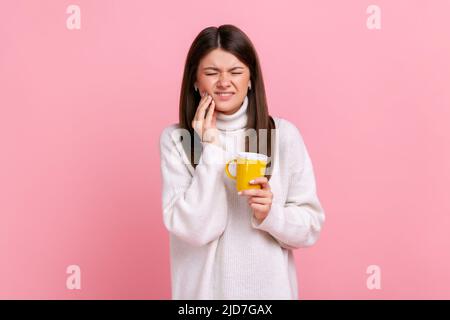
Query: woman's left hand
260,200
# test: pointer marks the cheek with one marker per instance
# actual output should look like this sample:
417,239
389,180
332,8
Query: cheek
206,81
242,83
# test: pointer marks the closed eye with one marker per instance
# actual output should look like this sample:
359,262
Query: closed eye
212,74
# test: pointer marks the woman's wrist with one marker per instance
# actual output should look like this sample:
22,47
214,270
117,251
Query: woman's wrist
212,139
213,142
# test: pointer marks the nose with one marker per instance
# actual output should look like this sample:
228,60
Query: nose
223,82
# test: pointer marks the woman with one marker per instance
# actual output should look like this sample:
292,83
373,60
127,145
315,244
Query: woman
226,245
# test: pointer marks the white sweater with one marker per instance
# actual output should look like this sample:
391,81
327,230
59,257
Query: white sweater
217,249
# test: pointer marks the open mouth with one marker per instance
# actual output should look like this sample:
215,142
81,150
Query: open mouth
224,94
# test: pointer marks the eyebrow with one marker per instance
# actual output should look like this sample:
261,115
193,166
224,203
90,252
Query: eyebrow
215,68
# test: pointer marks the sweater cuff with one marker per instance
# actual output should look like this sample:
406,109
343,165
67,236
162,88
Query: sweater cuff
213,155
272,222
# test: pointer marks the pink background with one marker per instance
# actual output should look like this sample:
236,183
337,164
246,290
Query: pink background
81,112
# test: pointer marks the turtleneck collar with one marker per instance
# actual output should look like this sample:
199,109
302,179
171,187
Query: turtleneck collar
235,121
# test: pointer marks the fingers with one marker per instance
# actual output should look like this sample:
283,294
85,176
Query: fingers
199,117
258,207
264,191
209,115
259,200
201,102
257,193
203,99
200,114
262,181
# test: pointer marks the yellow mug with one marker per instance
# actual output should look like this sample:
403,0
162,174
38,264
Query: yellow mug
249,165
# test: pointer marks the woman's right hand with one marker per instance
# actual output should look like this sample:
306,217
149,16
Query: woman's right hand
205,126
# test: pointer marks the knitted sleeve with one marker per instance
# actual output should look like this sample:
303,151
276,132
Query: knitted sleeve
298,221
194,205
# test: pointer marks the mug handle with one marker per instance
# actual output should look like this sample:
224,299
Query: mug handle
227,171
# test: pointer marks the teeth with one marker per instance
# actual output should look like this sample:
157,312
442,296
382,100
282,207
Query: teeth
224,94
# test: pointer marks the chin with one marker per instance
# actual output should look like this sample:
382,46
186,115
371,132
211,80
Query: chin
221,110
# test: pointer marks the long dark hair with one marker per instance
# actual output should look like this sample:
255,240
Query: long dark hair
233,40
